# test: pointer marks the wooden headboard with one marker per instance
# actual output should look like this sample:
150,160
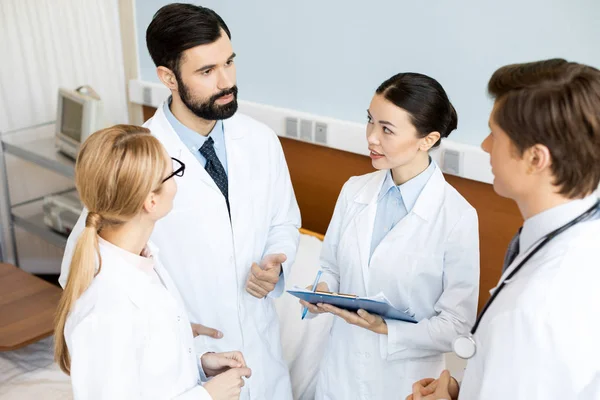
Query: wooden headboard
318,174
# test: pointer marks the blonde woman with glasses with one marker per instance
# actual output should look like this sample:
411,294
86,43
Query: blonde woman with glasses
121,327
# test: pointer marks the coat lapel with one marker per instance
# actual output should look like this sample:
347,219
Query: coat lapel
365,219
238,174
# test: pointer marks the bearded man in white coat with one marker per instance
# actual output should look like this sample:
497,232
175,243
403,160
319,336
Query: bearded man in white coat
233,233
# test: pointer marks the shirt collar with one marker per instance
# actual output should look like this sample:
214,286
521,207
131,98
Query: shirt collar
409,190
143,262
388,184
190,138
538,226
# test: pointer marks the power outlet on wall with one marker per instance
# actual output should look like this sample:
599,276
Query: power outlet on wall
321,133
147,96
291,127
451,162
306,130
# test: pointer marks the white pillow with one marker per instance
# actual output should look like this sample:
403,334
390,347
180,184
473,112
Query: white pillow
303,341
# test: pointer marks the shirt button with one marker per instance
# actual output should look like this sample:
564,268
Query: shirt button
190,350
178,318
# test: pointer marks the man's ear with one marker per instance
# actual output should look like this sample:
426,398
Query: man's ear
538,158
167,77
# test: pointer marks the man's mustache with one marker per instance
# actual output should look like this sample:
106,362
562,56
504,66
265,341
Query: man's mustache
233,90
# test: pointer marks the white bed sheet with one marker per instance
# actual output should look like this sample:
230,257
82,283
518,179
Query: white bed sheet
31,374
303,341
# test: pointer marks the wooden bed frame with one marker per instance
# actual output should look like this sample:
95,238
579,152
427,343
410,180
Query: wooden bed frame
308,232
318,174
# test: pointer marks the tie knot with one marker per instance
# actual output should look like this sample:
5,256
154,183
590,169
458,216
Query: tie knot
208,149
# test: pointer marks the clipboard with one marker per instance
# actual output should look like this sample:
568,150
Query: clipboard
353,303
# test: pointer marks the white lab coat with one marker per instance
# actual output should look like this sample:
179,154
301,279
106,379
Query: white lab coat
540,338
209,257
130,338
427,264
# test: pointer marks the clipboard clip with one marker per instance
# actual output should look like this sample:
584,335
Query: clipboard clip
350,296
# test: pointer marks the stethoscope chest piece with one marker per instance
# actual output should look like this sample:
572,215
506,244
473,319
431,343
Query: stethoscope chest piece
464,347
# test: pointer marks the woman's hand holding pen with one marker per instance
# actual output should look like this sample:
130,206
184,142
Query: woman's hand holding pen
361,318
321,287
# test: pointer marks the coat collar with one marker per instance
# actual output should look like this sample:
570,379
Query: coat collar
233,128
428,202
119,269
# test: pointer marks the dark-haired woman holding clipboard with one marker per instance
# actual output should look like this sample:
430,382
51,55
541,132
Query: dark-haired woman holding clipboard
404,232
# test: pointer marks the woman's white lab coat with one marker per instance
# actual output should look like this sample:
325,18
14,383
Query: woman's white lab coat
129,337
428,265
540,338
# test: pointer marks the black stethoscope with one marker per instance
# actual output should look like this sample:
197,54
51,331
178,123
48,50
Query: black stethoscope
464,346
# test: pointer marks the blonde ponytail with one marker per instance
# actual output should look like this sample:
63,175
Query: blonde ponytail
81,274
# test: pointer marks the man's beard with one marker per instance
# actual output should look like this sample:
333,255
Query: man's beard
209,110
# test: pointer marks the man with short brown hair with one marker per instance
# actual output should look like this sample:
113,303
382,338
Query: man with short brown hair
538,337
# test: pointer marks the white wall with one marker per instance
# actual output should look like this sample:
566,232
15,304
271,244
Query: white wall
326,57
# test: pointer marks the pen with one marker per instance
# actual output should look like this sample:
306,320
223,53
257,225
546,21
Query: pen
305,309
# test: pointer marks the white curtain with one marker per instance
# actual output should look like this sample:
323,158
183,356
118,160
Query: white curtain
44,45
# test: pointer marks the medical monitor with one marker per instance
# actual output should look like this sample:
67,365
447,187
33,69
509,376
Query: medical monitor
79,114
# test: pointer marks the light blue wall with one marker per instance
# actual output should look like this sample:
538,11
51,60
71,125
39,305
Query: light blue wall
328,56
